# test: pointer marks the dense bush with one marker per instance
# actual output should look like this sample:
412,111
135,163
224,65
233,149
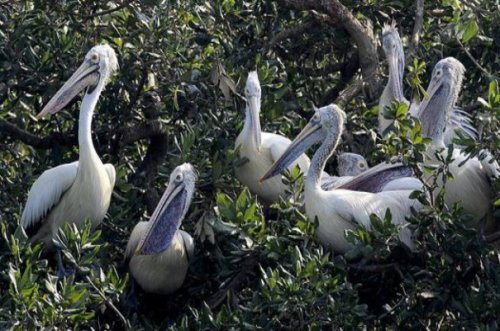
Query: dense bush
177,98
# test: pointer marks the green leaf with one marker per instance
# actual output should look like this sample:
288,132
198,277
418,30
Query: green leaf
470,31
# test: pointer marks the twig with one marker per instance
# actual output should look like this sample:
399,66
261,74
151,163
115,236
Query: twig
111,10
493,237
417,27
486,72
110,304
289,33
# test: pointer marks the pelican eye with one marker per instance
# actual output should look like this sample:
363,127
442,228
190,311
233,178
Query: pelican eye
361,165
94,58
439,72
316,117
179,177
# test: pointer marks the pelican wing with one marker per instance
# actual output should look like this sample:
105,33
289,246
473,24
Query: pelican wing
328,183
459,120
135,239
45,193
375,179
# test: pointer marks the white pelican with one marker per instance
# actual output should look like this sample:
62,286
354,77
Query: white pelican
261,149
341,209
470,184
74,192
158,252
351,165
393,91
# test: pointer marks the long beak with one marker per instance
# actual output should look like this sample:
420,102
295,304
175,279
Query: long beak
165,221
430,110
253,107
87,75
394,72
307,137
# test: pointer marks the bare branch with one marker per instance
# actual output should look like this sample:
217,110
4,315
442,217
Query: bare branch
362,35
486,72
349,93
7,128
289,33
111,10
417,28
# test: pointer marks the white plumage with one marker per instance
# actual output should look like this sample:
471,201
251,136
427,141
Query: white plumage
339,209
471,182
158,252
261,149
74,192
393,91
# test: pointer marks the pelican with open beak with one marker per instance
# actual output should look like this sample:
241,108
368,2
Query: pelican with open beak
157,251
341,209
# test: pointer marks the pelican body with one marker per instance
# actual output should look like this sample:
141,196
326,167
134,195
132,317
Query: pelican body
157,251
471,182
261,149
74,192
393,48
341,209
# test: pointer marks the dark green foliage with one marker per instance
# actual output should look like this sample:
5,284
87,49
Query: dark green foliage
178,98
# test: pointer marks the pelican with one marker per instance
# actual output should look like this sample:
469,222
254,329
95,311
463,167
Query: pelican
74,192
341,209
351,165
261,149
393,91
157,251
348,166
471,183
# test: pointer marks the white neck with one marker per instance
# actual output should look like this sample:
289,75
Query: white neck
251,127
318,162
87,150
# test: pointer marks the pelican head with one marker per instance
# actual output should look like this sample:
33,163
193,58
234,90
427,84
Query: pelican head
98,65
443,90
351,164
326,124
252,95
170,211
393,49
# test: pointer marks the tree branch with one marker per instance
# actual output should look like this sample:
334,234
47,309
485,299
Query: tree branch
362,35
111,10
56,138
486,72
417,27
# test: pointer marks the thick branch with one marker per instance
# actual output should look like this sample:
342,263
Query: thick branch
349,93
289,33
417,27
7,128
362,36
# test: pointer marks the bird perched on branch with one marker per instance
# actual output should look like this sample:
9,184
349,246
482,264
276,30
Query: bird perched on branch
341,209
471,183
261,149
74,192
393,91
157,251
